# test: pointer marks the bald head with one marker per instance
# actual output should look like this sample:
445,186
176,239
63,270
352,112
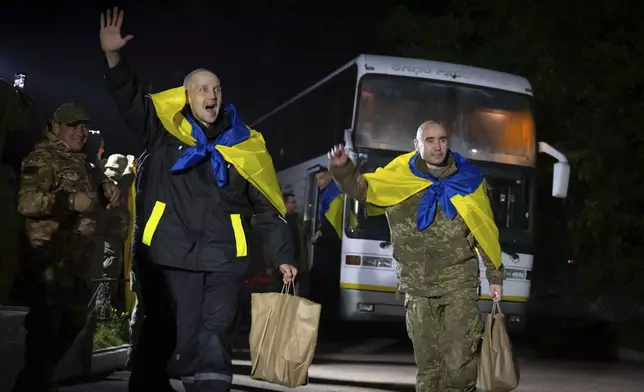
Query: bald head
427,124
195,75
431,142
203,92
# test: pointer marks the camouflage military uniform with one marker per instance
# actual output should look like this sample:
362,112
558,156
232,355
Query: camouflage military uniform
438,271
60,242
116,229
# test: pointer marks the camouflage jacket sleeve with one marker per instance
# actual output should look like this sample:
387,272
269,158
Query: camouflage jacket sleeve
104,183
118,222
109,188
493,275
350,181
38,196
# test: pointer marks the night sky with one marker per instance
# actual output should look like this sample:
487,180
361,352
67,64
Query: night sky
264,52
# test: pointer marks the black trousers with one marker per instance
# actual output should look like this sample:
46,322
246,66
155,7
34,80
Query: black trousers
191,314
57,314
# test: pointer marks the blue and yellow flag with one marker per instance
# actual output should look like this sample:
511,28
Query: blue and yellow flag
464,192
332,206
247,154
249,157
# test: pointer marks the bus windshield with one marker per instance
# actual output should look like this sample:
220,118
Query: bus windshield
483,123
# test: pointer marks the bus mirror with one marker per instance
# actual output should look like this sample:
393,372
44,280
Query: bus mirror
560,180
348,145
348,139
561,172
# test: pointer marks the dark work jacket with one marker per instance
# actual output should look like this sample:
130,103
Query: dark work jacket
199,227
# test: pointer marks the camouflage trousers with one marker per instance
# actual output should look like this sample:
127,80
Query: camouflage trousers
445,332
58,310
110,293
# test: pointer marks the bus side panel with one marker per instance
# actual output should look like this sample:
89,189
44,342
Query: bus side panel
294,178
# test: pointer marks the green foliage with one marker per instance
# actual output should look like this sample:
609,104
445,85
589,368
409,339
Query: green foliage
112,331
584,60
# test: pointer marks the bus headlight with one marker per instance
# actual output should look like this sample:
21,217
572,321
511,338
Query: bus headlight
380,262
511,273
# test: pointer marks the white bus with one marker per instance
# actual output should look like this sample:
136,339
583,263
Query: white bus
374,104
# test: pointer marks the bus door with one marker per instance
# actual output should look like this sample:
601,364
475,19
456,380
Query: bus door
311,208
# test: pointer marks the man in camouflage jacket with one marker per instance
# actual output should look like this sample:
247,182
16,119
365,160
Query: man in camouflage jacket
59,195
438,270
117,226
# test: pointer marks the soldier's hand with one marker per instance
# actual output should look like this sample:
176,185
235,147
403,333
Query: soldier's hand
111,39
82,202
338,157
496,292
288,272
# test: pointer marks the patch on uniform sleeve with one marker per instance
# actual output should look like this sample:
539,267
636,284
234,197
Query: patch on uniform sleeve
30,169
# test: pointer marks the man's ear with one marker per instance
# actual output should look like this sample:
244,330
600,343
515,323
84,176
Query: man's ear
416,144
55,128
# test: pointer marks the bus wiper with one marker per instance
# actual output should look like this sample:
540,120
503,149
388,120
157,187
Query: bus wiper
385,244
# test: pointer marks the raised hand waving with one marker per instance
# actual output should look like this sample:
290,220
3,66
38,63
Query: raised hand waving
111,39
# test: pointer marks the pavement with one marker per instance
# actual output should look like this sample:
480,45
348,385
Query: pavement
382,361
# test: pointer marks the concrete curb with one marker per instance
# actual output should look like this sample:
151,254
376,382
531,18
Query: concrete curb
109,360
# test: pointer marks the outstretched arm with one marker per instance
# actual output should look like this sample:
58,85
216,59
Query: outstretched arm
347,175
137,109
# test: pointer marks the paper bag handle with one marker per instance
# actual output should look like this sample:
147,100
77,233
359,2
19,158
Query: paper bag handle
496,308
286,288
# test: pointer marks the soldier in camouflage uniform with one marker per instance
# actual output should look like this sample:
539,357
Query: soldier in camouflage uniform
58,196
438,271
116,229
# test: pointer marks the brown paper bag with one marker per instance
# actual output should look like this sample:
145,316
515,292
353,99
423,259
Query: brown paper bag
498,369
283,336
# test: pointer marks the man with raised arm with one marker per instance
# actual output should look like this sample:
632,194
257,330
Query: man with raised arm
202,178
440,219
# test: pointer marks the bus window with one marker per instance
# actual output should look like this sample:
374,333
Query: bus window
366,222
483,123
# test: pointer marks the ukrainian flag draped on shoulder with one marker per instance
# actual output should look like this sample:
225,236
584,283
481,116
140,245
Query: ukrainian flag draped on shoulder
463,191
241,146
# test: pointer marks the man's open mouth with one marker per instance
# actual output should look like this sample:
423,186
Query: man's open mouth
211,108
